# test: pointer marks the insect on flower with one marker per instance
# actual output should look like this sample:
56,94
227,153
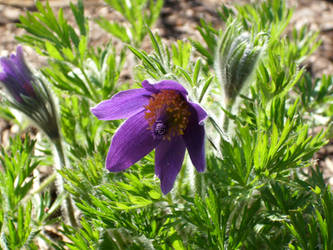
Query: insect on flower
159,116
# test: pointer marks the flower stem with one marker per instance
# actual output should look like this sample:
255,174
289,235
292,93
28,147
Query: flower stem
226,121
198,183
67,206
119,240
51,178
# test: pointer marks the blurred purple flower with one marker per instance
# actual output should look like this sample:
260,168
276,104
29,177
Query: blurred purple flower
16,76
29,93
159,117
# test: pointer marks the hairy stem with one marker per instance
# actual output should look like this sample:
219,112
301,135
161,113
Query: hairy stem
50,179
198,183
67,206
226,121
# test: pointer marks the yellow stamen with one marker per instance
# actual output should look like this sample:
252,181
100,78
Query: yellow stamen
170,105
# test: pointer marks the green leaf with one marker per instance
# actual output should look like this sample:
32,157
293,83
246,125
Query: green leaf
53,51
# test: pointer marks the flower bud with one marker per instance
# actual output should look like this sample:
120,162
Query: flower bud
28,93
235,61
16,76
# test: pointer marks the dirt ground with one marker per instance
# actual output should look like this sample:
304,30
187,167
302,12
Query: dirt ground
178,21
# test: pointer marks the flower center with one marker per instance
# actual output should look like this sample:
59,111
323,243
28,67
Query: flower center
167,114
159,129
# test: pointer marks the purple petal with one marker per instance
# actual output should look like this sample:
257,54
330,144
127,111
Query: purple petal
132,141
8,66
194,137
12,71
201,113
16,66
20,63
149,87
169,156
16,75
2,76
122,105
165,84
10,77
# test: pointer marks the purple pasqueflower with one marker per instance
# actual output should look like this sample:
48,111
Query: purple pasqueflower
29,93
159,117
16,76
